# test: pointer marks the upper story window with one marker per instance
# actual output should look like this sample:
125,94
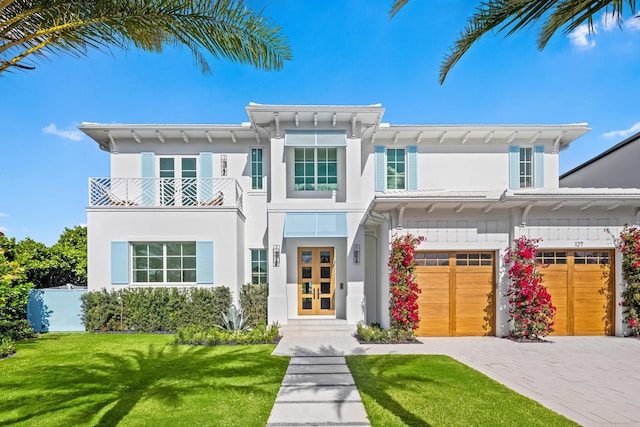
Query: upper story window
396,168
526,166
315,169
256,169
315,158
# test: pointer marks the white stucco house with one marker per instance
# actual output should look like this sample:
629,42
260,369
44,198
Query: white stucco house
308,198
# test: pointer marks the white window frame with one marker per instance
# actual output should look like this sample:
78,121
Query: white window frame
165,269
316,168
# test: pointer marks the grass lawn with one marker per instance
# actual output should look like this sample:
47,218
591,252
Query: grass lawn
69,379
421,390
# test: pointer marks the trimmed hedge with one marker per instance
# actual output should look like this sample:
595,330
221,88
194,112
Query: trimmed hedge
154,309
194,335
253,301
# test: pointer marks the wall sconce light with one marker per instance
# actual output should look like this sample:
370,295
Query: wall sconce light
276,255
356,254
223,164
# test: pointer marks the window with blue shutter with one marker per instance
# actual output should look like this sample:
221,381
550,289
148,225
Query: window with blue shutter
120,263
204,262
379,163
148,169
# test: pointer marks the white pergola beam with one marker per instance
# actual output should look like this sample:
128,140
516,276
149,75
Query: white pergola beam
488,137
512,137
419,137
209,137
276,118
136,136
233,136
442,137
161,137
184,136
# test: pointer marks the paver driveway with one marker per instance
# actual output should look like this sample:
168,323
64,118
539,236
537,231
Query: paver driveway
591,380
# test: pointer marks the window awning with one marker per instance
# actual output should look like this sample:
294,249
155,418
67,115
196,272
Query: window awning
315,224
315,138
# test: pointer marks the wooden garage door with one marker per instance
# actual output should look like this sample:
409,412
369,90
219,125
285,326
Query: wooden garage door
458,293
581,288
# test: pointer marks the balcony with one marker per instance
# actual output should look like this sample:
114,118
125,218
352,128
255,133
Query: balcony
160,192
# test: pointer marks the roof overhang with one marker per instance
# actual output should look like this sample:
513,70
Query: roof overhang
108,136
486,201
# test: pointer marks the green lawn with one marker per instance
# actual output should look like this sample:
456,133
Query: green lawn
97,379
418,390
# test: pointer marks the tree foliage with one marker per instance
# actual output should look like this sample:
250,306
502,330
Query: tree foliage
511,16
63,263
30,30
14,293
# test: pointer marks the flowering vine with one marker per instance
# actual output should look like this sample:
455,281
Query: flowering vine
404,291
629,245
530,306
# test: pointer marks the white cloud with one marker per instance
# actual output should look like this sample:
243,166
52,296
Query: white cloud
73,134
609,21
623,133
633,23
581,38
2,214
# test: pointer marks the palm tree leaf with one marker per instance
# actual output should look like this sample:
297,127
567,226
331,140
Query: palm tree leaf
222,28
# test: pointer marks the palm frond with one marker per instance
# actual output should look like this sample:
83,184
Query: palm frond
511,16
222,28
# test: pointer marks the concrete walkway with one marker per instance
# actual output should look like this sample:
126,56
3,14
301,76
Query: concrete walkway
591,380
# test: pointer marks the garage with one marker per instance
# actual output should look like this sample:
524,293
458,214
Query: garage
458,293
581,287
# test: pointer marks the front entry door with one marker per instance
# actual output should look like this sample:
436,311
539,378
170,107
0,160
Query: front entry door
316,287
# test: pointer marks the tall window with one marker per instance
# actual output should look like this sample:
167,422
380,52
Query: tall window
258,266
256,168
396,173
315,169
526,167
164,262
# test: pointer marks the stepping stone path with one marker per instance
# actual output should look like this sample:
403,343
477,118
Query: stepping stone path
318,391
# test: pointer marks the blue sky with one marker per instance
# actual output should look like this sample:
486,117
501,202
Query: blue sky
344,52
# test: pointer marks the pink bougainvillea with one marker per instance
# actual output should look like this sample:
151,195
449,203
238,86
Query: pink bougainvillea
531,309
404,291
629,245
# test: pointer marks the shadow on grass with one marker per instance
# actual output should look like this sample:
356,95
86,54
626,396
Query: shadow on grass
372,382
103,388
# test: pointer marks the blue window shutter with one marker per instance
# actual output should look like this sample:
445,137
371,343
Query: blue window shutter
514,166
204,262
379,162
206,177
119,263
148,172
538,166
412,167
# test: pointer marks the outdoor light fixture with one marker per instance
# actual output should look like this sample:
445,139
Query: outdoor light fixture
276,255
356,253
223,166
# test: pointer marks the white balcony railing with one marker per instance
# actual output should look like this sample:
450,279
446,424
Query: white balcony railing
165,192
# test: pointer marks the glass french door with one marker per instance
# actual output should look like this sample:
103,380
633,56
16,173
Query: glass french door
316,286
178,191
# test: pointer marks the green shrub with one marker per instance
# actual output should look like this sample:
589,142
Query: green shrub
6,347
375,334
194,335
16,329
154,309
253,301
